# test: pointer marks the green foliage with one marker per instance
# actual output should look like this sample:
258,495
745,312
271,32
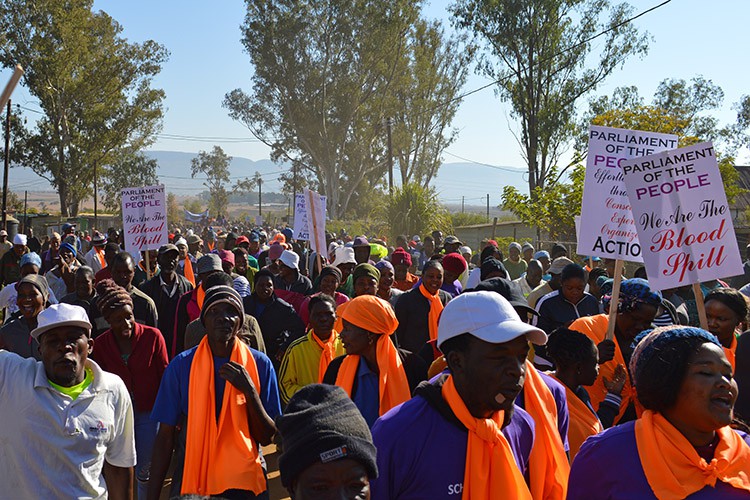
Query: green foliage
174,214
459,219
93,87
129,171
326,75
414,209
215,166
536,50
551,210
678,107
192,205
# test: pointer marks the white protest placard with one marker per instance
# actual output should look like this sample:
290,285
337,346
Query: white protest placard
144,218
302,221
607,227
316,221
682,216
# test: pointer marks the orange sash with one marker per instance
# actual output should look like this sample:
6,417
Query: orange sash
100,255
548,465
729,352
673,467
224,456
582,422
595,328
436,307
189,275
491,470
210,246
200,297
393,384
329,352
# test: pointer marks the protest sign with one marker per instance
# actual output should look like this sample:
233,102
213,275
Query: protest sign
302,220
607,228
144,218
317,222
682,217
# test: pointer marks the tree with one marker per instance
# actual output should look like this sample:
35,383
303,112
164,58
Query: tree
248,185
326,74
193,206
128,171
540,53
215,166
678,107
434,69
174,214
93,87
414,209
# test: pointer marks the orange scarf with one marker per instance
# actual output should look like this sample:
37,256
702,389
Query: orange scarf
200,297
393,384
210,246
582,423
436,307
224,456
491,470
189,275
329,352
548,464
673,467
100,255
729,352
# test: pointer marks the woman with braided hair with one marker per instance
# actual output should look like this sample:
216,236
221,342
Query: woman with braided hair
577,361
138,355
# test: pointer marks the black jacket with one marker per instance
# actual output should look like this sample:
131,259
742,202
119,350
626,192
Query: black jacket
278,322
166,306
413,311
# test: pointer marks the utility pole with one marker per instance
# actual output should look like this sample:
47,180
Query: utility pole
6,166
260,197
488,208
96,206
462,203
25,204
388,123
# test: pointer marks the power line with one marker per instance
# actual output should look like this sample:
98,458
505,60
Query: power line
497,167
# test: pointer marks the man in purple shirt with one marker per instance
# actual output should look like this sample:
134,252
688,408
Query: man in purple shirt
422,444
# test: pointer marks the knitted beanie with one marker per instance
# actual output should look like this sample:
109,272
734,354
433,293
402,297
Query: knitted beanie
321,424
454,263
218,294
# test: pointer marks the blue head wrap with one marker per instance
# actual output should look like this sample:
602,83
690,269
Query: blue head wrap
633,292
541,254
67,246
31,258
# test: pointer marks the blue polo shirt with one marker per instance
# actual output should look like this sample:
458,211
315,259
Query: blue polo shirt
172,400
422,456
608,465
367,395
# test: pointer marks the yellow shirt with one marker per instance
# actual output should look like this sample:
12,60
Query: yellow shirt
300,365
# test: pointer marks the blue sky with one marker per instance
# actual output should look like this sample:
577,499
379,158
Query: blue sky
690,37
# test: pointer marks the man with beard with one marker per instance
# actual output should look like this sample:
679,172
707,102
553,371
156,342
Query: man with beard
165,289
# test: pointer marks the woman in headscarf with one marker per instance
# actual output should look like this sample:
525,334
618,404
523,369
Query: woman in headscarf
683,445
366,279
726,309
61,278
327,283
138,355
375,374
307,358
386,291
636,310
32,296
576,361
224,395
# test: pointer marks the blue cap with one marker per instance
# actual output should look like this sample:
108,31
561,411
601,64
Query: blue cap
31,258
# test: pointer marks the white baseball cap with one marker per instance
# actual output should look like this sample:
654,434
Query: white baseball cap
58,315
487,316
289,259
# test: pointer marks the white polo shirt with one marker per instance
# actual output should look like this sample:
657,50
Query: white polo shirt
52,446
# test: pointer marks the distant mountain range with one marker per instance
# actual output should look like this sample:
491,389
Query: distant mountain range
454,180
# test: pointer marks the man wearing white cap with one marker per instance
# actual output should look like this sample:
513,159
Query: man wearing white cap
10,269
462,433
65,421
289,277
4,243
345,262
95,257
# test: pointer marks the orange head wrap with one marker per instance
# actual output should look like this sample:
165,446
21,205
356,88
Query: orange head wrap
372,314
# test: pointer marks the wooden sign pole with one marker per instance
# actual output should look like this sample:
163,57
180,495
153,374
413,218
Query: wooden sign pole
615,299
700,305
313,217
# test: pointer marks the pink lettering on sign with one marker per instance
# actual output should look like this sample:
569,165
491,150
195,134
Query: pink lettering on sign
672,186
668,239
682,262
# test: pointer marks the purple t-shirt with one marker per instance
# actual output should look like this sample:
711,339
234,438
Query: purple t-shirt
608,466
422,456
561,401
